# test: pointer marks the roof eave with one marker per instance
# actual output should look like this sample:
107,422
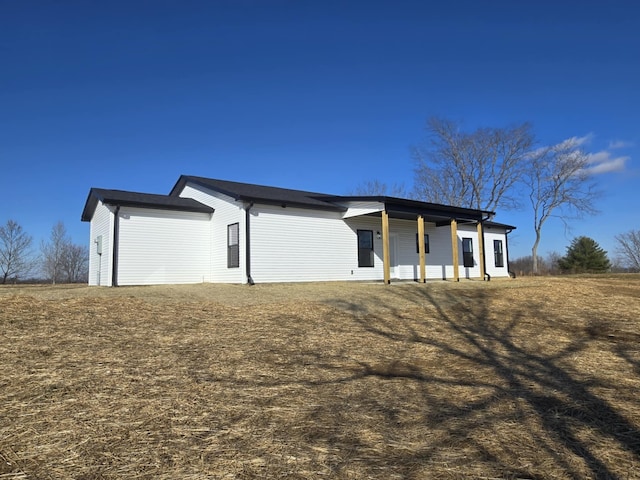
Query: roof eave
95,196
415,206
499,225
89,206
154,206
267,201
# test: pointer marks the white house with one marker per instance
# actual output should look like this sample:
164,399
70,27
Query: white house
209,230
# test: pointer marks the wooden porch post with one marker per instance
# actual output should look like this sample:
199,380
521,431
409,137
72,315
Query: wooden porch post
454,248
385,247
421,249
481,249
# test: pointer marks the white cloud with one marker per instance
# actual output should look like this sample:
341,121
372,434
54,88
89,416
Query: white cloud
579,141
599,162
602,162
574,142
583,140
619,144
599,157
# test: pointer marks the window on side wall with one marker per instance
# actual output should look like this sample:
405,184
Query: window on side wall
426,243
233,245
467,252
497,252
365,248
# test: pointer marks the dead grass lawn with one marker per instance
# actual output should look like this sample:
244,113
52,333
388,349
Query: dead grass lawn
526,378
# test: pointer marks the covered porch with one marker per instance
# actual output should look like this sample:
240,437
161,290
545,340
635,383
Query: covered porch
442,216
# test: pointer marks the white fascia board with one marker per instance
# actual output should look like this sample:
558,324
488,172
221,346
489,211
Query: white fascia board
356,209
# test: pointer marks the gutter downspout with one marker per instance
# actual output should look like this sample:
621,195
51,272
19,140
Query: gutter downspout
114,258
506,247
247,259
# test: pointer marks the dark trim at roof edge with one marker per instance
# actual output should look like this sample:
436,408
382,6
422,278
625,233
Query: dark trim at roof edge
284,197
262,194
124,198
418,205
499,225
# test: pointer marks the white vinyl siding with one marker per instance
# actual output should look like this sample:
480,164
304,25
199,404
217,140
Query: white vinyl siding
101,226
298,245
491,234
471,232
405,260
438,261
287,244
162,246
227,211
293,244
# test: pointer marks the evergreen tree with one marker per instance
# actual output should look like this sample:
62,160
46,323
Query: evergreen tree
584,255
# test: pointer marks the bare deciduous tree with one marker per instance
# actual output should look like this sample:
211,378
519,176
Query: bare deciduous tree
559,184
62,260
15,255
546,266
471,169
75,263
53,252
378,188
628,249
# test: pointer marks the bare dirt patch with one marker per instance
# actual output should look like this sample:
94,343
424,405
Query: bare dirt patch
527,378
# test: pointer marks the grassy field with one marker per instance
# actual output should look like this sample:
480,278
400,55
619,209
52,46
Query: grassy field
526,378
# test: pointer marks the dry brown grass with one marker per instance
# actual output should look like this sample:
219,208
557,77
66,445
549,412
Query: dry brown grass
526,378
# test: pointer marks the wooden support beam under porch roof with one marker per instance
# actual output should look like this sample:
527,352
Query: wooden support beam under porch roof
481,249
454,250
385,248
421,249
440,215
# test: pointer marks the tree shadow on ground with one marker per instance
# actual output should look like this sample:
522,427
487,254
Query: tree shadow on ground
442,383
512,372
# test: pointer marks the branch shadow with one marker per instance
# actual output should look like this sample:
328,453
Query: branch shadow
563,403
511,372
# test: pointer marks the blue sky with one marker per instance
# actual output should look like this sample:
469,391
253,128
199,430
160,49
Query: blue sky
312,95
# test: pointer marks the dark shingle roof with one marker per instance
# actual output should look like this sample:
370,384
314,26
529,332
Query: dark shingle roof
397,207
143,200
261,193
499,225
